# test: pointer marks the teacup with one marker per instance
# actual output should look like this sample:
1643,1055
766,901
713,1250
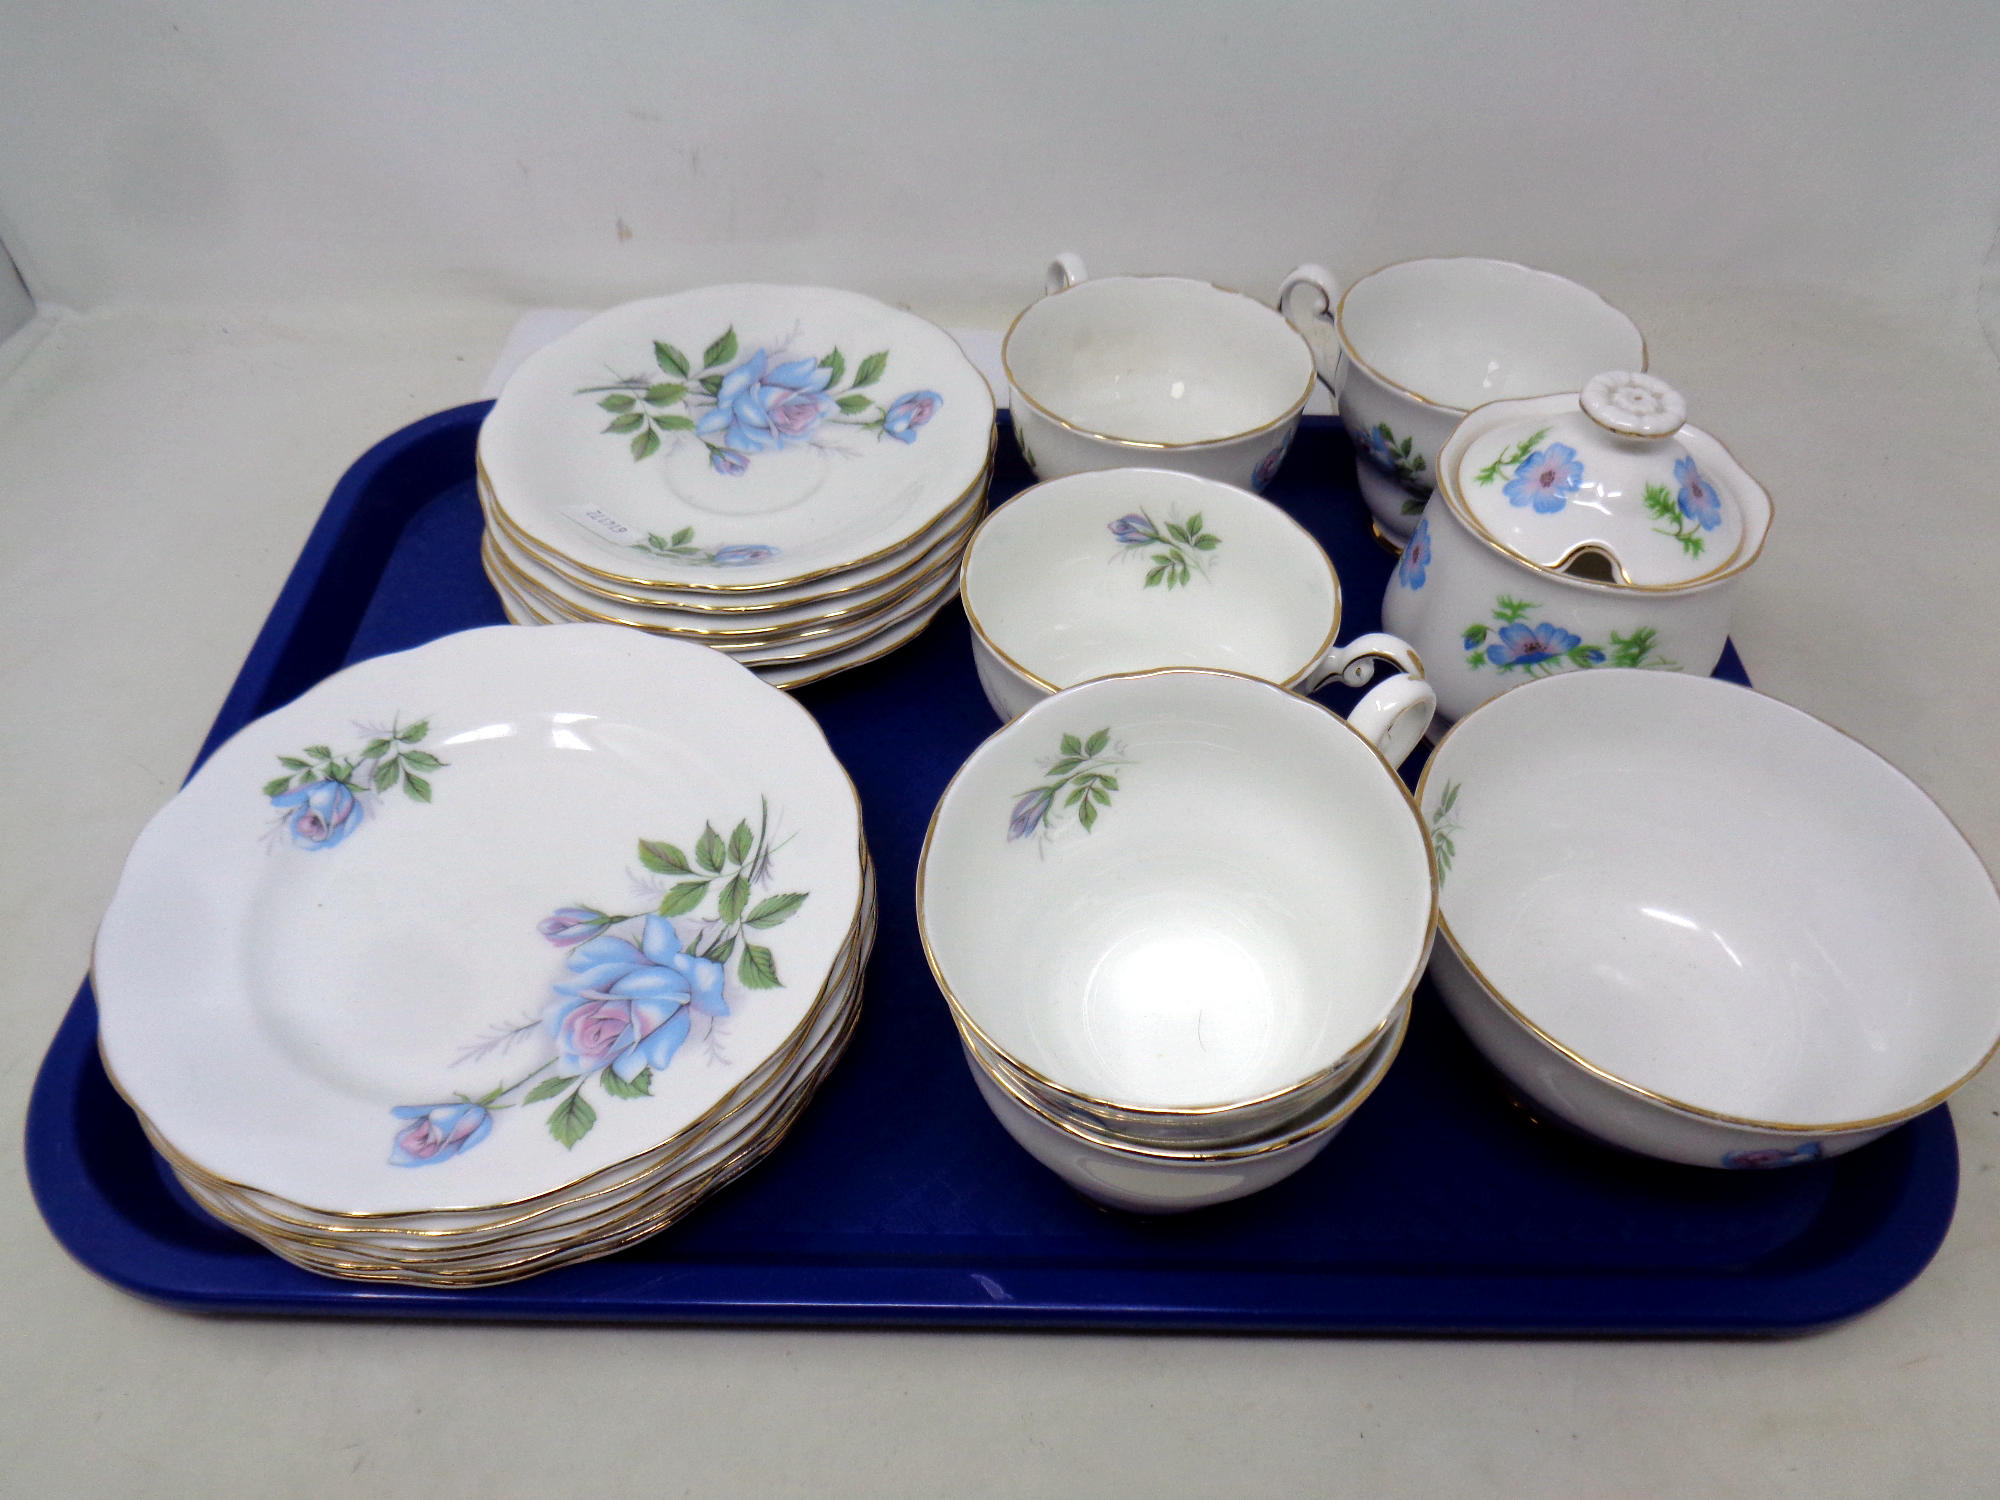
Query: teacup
1124,570
1164,1180
1697,923
1188,897
1157,371
1408,350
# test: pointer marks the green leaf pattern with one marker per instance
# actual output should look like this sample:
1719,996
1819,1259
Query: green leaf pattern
1080,782
731,871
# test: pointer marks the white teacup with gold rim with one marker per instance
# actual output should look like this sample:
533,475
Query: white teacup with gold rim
1408,350
1154,1179
1189,896
1161,371
1124,570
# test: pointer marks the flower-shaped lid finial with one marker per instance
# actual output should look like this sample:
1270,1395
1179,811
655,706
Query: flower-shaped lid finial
1633,404
1612,471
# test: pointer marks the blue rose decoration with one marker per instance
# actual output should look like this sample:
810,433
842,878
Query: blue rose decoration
1030,811
744,555
569,925
321,814
627,1008
907,413
1525,645
1698,500
437,1132
1416,558
1132,531
758,409
1546,478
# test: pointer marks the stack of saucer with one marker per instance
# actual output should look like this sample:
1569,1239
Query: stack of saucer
786,474
491,956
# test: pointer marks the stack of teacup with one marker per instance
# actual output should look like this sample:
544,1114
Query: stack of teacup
1178,916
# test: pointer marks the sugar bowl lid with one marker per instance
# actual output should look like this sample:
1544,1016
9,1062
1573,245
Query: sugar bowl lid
1607,485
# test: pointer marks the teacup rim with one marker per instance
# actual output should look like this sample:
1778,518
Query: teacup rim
1290,413
1319,1075
1348,349
1640,1090
1373,1070
985,636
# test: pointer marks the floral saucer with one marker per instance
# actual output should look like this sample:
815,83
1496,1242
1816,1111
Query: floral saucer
468,924
737,438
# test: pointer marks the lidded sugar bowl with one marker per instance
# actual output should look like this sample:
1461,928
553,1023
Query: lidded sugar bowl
1594,529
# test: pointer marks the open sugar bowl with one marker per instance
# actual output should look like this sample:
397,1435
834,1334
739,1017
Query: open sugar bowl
1161,371
1691,921
1587,530
1408,350
1186,906
1124,570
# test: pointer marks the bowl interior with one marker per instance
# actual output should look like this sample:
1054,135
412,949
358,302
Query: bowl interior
1248,898
1715,897
1464,331
1125,569
1158,359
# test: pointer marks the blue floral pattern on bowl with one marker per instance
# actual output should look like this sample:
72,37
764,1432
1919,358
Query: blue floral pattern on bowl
1545,479
323,797
637,989
762,403
1415,562
1511,643
1772,1156
1398,458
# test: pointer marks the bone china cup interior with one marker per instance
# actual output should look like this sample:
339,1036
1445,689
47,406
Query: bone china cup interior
1177,891
1418,344
1159,371
1700,924
1123,570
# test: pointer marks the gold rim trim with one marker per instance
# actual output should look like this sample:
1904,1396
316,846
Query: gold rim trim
863,885
1315,1079
764,586
673,1147
731,642
923,618
1639,1090
657,1214
1737,563
640,1202
1290,414
1296,1135
960,516
986,637
1334,316
672,1154
893,586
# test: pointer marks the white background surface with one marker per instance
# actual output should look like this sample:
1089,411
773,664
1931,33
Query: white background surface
283,233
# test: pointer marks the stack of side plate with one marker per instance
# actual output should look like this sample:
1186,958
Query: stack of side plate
787,474
491,956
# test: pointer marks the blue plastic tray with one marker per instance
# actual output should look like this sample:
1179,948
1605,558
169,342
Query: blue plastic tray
898,1200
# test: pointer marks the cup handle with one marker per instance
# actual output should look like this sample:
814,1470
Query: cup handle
1064,272
1307,299
1354,663
1394,715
